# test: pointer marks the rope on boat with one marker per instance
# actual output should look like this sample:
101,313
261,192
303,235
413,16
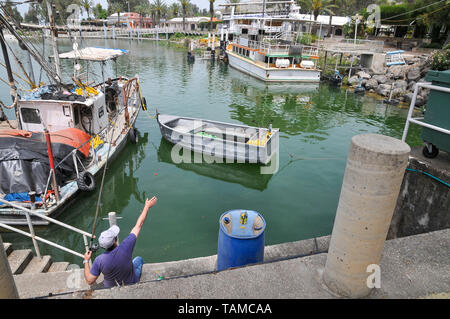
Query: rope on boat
101,188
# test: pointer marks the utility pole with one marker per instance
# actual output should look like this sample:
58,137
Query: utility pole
8,289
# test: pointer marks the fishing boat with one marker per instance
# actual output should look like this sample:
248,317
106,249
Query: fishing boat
233,142
265,47
63,135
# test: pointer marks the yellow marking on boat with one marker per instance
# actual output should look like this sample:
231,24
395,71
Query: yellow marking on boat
259,142
96,142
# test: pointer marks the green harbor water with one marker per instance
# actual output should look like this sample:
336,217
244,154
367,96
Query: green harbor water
316,124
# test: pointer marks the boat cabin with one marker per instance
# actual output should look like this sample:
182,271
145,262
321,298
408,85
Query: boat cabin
86,108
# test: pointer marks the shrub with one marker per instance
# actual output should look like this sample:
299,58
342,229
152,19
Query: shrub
441,60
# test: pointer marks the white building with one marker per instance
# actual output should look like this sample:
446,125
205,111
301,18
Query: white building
192,23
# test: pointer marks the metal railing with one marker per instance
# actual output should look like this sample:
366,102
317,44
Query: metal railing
418,120
35,239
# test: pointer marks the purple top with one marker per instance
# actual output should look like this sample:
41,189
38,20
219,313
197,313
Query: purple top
117,265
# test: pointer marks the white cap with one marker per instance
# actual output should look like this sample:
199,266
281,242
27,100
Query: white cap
106,239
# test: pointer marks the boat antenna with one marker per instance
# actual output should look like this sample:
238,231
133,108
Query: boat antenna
12,85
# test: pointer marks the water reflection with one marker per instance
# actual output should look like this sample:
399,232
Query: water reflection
247,175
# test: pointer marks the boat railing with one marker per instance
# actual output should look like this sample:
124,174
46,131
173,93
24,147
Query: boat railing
275,48
28,213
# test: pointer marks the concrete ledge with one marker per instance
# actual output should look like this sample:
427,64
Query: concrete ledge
207,264
411,267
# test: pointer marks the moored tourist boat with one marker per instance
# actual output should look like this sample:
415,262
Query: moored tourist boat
264,45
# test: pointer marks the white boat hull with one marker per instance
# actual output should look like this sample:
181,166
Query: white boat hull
273,74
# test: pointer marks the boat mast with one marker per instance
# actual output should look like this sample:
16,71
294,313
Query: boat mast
53,32
12,84
24,45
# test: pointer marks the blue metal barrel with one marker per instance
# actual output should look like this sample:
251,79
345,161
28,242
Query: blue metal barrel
241,239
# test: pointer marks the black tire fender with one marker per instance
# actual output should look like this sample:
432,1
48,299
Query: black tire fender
86,181
133,135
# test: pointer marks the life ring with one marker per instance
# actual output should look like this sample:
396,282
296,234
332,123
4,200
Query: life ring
133,135
86,181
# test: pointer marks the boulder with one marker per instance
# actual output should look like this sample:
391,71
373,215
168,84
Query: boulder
383,89
413,74
402,84
419,99
397,72
408,97
411,86
398,92
371,84
363,75
353,80
381,79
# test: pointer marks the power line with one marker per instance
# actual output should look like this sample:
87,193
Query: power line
424,15
398,15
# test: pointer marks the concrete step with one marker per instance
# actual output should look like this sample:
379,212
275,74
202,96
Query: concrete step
58,266
19,259
38,265
43,284
8,248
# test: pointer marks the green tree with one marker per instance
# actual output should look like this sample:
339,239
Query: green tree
99,12
211,13
86,5
116,8
317,6
184,5
142,9
160,6
175,9
33,14
12,11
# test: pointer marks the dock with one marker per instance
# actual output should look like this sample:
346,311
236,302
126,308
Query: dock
411,267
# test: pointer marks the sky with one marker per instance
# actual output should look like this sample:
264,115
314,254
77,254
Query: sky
202,4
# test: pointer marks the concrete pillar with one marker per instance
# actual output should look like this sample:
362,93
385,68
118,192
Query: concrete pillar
373,176
8,288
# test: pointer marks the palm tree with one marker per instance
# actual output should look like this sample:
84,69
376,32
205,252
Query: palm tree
116,8
211,12
141,9
159,7
86,4
316,7
184,5
175,9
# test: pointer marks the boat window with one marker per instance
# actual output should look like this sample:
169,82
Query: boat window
101,112
66,110
76,114
30,115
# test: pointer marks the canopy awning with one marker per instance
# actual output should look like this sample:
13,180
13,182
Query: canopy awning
93,54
